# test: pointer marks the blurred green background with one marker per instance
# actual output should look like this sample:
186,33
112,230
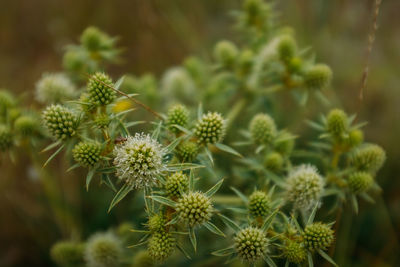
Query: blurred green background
157,34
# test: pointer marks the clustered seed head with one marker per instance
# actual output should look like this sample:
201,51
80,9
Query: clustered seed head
142,259
273,161
286,48
99,89
318,77
356,137
26,125
6,138
67,253
139,160
360,182
210,129
369,157
157,223
337,122
194,208
318,236
102,120
187,151
178,115
103,250
251,244
87,154
54,88
304,186
176,184
295,252
263,129
259,204
225,52
60,121
161,246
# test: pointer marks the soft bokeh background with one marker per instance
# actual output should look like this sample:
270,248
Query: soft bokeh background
157,34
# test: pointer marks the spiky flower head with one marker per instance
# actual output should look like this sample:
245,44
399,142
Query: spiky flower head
161,246
304,186
251,244
286,48
259,204
103,250
263,129
225,52
194,208
142,259
360,182
94,40
139,160
6,137
176,184
177,115
60,121
210,129
26,125
318,77
87,154
54,88
356,137
67,253
294,252
157,223
318,236
337,122
369,157
273,161
187,151
100,89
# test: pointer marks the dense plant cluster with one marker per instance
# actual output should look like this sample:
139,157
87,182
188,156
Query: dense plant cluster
211,153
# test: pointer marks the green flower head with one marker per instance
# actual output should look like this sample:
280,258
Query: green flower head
176,184
87,154
210,129
103,250
263,129
318,236
161,245
259,204
194,208
251,244
99,88
61,122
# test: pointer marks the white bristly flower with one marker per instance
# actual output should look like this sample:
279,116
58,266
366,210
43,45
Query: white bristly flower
139,160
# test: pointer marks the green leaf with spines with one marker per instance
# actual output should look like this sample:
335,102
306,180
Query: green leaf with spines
214,189
228,149
123,191
213,228
164,201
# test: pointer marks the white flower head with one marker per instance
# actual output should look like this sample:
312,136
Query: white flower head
304,186
54,88
139,160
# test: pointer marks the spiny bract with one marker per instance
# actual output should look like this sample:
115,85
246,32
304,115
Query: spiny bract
251,244
194,208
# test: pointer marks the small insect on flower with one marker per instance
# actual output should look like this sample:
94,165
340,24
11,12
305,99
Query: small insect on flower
139,160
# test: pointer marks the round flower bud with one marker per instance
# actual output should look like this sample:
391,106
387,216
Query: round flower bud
54,88
67,253
139,160
304,186
360,182
286,48
60,121
318,236
295,65
100,89
285,143
178,85
337,122
87,154
161,246
6,138
225,52
6,100
263,129
26,125
102,120
369,157
251,244
259,204
142,259
124,230
177,115
75,60
273,161
156,223
194,208
318,77
103,250
294,252
356,137
176,184
94,39
187,151
210,129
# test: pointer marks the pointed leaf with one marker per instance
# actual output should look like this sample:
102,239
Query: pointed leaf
312,214
269,220
183,166
326,257
157,131
173,144
76,165
310,260
209,155
214,189
105,178
214,229
228,222
200,111
228,149
224,252
269,261
53,155
123,191
89,177
192,236
51,146
354,203
184,252
191,180
183,129
240,194
164,201
118,83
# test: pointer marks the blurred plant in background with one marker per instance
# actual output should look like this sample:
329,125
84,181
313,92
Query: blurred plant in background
168,167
